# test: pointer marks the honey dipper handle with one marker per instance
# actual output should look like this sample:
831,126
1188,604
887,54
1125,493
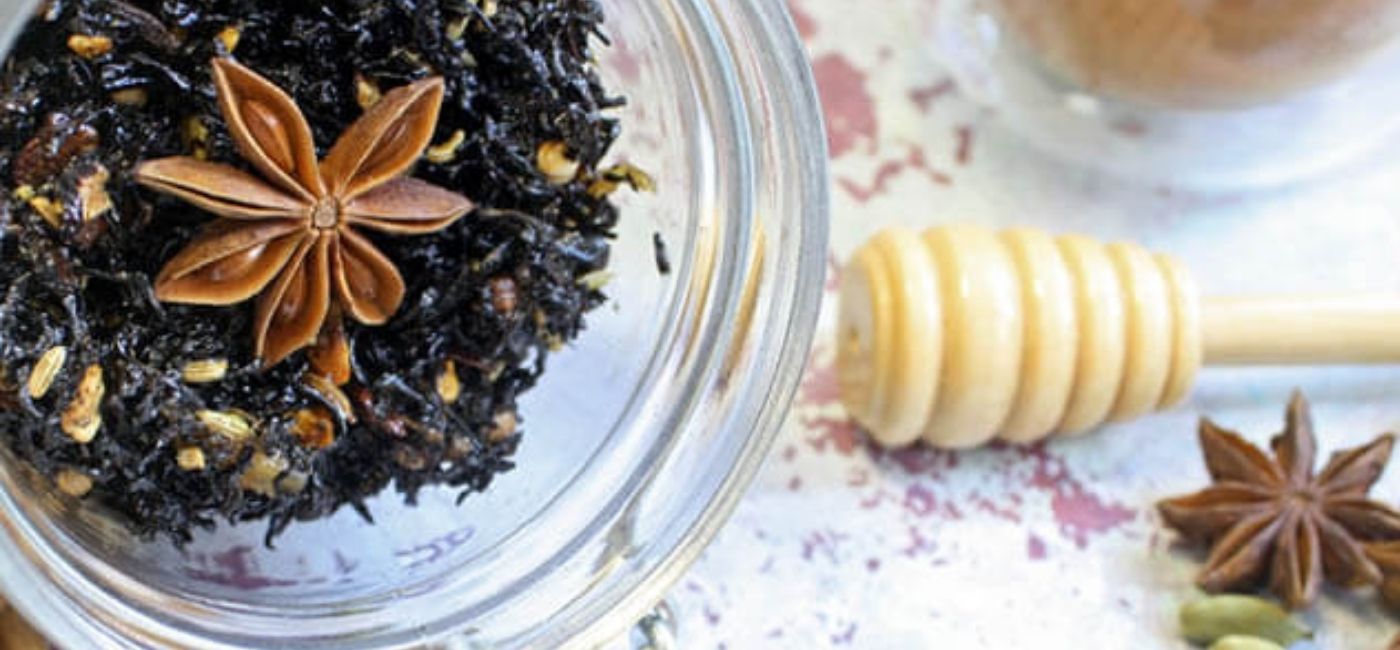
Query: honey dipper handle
1301,329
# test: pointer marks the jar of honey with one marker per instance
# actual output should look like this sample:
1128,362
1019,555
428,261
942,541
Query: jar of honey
1202,92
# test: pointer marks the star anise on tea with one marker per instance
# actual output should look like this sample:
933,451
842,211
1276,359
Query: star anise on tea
290,237
1273,519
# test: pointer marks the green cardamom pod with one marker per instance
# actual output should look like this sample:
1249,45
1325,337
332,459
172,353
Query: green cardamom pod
1242,642
1209,619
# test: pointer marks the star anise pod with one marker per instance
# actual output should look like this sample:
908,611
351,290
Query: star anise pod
291,235
1386,555
1274,518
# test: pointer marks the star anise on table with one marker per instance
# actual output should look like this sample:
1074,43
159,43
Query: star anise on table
1386,555
1273,518
290,236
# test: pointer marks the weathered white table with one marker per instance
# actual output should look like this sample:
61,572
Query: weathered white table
841,544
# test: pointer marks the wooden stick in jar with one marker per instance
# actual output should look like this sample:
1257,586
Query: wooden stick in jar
961,335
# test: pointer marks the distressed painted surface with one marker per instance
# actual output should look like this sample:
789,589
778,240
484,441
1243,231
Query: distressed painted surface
842,544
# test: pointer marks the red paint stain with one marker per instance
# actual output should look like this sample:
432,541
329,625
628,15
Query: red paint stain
890,170
925,461
1078,512
994,509
875,500
789,453
806,25
922,502
926,96
887,171
965,136
795,483
919,501
1035,548
235,568
917,482
850,111
918,544
822,384
918,162
824,542
839,435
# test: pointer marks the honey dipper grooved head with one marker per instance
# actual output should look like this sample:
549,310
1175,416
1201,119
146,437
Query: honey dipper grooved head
961,335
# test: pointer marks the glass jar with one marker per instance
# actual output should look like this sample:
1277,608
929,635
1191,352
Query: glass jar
1204,93
638,442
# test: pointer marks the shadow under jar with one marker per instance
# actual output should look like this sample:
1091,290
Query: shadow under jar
641,437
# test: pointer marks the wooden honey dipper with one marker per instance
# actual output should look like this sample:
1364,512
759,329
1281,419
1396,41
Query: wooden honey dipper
961,334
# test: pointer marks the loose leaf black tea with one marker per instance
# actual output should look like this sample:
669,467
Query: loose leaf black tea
159,411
